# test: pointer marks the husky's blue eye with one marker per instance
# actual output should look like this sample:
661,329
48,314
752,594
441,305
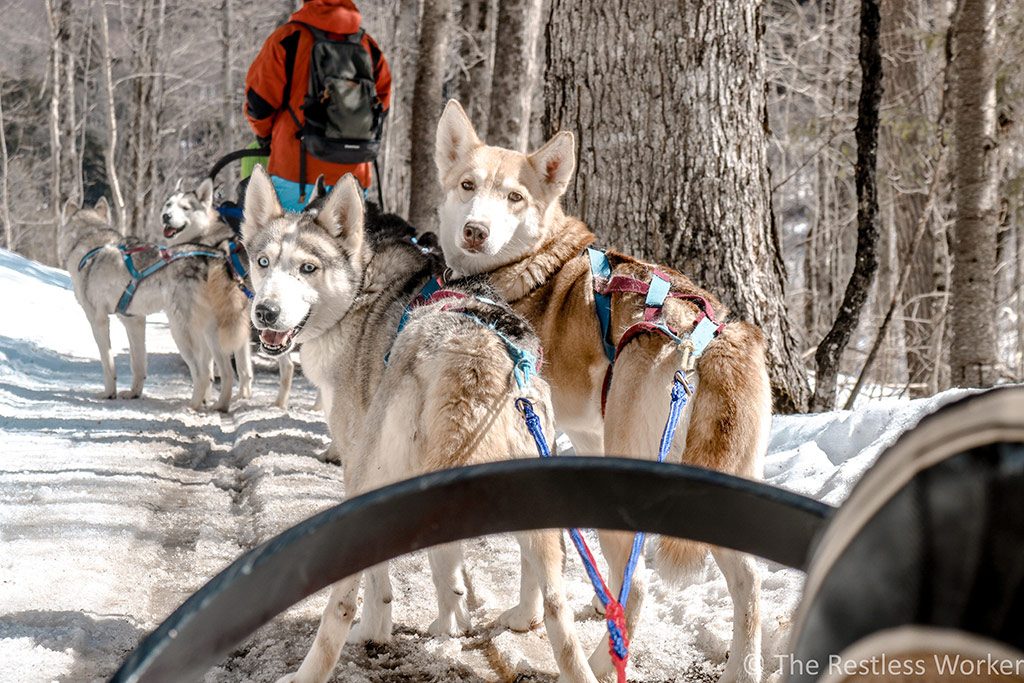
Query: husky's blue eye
263,261
307,268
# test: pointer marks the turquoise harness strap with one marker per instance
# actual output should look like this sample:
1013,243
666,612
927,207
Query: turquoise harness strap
524,361
431,286
166,258
89,256
600,268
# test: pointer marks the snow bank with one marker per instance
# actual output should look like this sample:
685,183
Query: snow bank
112,512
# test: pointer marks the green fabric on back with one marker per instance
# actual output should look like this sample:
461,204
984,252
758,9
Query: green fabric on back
249,163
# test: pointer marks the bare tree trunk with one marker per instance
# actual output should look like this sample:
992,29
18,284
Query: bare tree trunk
54,19
110,151
228,57
907,153
5,204
479,20
397,134
675,180
72,181
515,72
426,110
973,350
830,350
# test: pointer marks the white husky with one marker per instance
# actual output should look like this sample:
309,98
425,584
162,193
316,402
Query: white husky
445,399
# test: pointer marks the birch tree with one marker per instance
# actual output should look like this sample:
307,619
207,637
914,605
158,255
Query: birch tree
435,24
973,352
515,73
110,107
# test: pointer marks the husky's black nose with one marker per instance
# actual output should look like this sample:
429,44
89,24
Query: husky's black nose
166,218
267,312
474,234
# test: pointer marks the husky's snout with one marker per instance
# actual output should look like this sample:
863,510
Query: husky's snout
474,235
267,312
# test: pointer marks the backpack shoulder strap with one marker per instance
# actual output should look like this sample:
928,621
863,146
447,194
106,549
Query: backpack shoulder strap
291,50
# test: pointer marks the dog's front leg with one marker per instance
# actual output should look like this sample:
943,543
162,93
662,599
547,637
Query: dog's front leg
452,603
544,553
530,610
136,328
286,371
100,323
375,622
330,636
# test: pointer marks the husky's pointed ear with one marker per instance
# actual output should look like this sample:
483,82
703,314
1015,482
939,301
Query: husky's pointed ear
204,193
177,185
455,138
342,213
555,162
261,204
102,208
70,209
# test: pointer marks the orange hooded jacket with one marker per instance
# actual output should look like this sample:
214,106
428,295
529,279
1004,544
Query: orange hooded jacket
266,80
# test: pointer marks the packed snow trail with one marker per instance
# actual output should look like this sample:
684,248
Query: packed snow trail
113,512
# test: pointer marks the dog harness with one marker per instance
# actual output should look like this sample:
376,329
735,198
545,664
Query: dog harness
525,364
237,269
690,344
167,257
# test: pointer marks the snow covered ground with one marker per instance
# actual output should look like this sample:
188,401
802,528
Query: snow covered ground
113,512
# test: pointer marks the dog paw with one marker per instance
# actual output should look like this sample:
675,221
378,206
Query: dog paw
447,627
520,619
329,455
361,633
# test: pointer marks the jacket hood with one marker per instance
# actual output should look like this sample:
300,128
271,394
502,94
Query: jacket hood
333,16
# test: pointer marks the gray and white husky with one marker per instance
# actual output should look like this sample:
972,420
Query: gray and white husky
445,398
88,249
190,217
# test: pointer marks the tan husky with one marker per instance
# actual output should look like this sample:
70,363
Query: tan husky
443,398
501,215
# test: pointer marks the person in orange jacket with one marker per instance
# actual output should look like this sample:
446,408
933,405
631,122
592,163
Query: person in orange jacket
276,115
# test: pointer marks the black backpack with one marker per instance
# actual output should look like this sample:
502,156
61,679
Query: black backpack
343,116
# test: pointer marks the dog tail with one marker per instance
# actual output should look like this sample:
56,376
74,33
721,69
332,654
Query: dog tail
729,424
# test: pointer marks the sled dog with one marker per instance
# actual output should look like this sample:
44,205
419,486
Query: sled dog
501,215
443,398
223,302
96,255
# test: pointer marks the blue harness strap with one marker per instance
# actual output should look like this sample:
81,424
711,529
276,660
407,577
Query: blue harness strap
167,257
600,268
431,286
524,361
89,256
238,269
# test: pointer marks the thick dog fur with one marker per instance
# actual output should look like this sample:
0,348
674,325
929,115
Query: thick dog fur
222,307
501,215
175,289
445,399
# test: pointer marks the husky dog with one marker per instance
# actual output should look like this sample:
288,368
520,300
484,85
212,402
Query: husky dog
501,215
89,251
444,398
223,302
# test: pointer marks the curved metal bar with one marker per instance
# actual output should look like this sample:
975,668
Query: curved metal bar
235,156
603,493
